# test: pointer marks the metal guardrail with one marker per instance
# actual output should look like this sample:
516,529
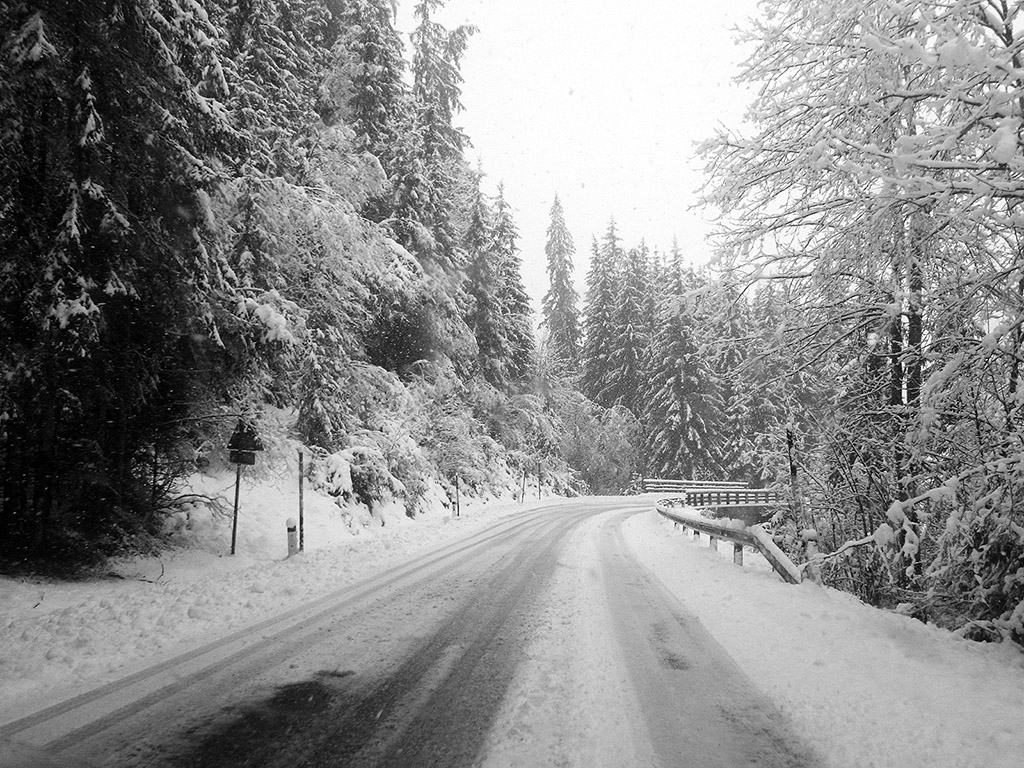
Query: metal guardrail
735,531
663,485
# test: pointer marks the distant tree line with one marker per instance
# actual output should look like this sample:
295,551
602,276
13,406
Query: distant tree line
659,346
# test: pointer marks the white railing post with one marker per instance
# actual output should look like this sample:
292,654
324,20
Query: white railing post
737,553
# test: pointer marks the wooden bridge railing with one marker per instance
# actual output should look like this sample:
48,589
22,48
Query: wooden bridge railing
725,497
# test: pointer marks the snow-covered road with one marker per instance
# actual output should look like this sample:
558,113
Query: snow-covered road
545,633
539,640
620,673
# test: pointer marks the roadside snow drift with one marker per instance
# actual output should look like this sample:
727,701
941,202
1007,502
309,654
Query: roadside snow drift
865,687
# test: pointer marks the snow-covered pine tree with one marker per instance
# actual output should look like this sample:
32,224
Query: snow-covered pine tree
603,279
683,399
429,165
112,121
561,302
625,377
659,279
275,57
485,313
517,316
366,86
367,92
726,346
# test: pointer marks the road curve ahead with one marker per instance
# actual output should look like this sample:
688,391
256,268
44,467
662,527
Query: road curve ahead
541,640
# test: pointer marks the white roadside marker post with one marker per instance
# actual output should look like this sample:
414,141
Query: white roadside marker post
293,536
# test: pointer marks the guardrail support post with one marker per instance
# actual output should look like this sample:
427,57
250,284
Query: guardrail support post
696,535
737,553
714,542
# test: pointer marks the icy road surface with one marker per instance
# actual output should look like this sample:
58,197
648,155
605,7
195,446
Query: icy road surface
539,641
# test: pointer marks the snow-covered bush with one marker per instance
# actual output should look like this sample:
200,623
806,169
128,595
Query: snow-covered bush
976,581
358,474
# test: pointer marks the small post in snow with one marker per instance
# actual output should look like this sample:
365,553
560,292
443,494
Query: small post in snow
522,493
538,479
737,553
293,536
713,541
302,543
234,517
458,510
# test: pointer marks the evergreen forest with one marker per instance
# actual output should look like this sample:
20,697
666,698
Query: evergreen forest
214,210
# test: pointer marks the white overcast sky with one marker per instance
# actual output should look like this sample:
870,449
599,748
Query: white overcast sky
602,103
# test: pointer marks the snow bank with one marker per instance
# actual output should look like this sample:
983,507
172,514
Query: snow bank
60,639
864,687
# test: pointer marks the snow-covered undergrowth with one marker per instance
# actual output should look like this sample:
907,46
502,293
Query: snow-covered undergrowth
865,687
60,638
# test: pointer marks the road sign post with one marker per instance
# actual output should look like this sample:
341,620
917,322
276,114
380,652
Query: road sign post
242,448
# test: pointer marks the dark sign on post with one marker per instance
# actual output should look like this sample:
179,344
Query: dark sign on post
242,447
244,443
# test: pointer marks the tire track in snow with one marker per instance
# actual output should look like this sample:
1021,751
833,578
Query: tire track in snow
698,705
68,724
115,723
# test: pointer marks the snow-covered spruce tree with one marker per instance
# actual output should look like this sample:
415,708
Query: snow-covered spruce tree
728,323
683,401
561,302
767,388
899,166
660,279
485,313
426,179
625,376
517,316
112,117
366,86
409,132
428,169
299,252
275,56
599,315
